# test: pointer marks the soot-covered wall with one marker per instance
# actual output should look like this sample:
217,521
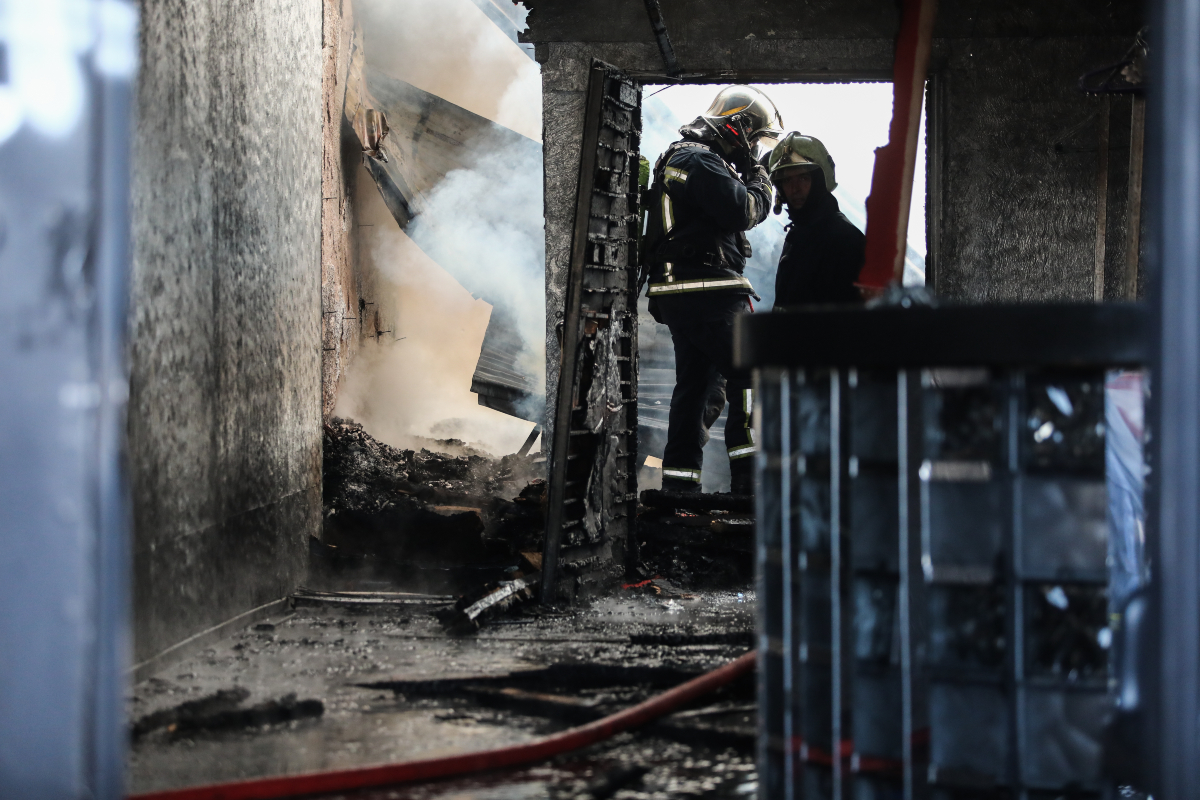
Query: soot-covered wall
225,404
1018,146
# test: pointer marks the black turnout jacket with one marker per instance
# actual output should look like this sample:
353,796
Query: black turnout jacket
822,255
703,212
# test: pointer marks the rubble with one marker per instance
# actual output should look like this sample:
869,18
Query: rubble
400,511
582,692
477,521
695,540
698,501
223,700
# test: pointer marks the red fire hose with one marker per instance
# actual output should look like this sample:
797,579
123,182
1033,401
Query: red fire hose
454,766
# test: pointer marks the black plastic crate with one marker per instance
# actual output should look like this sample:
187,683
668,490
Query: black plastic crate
935,560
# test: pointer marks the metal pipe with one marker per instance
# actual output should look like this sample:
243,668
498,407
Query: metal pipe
1172,661
1133,233
1101,200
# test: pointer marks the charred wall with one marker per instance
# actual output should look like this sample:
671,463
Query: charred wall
225,404
354,308
1019,150
341,289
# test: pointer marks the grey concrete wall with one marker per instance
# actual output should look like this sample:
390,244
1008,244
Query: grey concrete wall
225,404
1019,155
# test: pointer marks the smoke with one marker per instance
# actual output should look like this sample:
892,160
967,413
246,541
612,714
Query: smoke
450,48
414,383
481,243
485,226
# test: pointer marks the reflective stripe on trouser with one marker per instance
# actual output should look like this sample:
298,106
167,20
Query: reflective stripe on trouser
749,448
682,474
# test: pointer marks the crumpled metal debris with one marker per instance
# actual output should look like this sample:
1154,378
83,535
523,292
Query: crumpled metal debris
493,600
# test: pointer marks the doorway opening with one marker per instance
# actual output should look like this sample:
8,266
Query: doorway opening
851,119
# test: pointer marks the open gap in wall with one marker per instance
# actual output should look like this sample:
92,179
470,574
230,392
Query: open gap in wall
450,228
430,436
851,119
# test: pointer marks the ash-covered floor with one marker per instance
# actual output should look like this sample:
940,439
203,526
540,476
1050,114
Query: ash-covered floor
373,665
392,685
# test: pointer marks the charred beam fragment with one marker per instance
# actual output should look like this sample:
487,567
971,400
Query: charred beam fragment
741,638
222,712
467,614
556,676
654,11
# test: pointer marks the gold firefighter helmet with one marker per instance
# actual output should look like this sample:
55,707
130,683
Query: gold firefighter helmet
802,153
747,112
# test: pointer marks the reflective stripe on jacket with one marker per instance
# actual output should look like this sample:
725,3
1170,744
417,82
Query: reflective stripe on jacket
704,211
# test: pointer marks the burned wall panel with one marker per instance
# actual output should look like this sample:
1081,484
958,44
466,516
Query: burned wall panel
225,394
592,483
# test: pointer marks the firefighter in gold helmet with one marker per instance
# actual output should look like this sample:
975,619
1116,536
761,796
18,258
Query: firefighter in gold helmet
708,190
823,252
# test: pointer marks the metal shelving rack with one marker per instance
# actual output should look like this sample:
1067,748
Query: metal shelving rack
933,549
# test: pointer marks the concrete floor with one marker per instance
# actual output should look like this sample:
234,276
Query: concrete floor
326,652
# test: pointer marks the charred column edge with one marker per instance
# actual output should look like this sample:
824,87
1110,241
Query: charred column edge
568,377
654,11
592,482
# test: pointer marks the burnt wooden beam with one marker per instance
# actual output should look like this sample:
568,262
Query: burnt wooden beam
1101,200
1133,233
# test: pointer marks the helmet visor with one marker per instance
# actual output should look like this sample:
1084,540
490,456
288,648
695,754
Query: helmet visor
768,139
763,147
758,113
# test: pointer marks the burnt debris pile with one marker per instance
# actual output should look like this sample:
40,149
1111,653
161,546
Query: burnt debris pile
403,511
695,540
453,519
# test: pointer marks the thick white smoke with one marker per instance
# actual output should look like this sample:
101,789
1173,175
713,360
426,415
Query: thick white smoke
481,237
485,226
451,49
414,383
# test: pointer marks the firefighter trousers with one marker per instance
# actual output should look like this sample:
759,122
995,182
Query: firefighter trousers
701,327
